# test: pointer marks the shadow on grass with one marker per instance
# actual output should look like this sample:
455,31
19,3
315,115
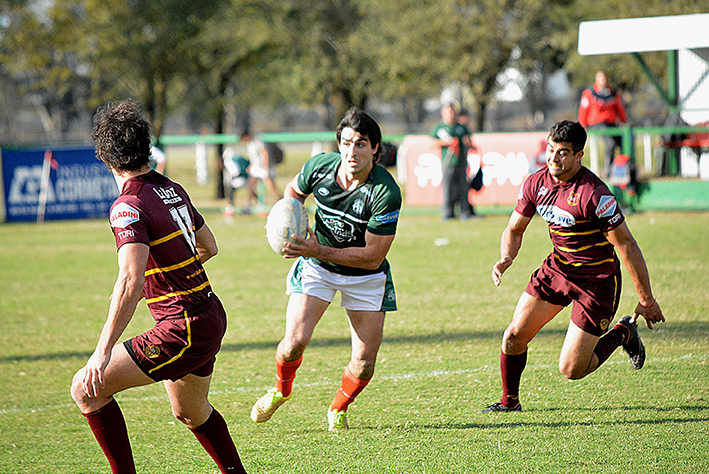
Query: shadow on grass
682,418
676,332
421,339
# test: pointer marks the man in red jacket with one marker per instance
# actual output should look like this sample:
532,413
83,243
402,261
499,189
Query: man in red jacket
602,107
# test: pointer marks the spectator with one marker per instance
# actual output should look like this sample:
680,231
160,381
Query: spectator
454,140
602,108
236,177
263,167
158,159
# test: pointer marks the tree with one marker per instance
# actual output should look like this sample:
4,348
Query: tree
233,45
38,53
142,49
328,60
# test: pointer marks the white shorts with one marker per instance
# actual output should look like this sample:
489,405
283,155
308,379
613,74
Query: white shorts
358,293
259,172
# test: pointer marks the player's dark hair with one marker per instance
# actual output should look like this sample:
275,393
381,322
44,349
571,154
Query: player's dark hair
569,132
122,135
362,123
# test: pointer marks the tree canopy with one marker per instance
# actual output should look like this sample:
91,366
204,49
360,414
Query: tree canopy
64,57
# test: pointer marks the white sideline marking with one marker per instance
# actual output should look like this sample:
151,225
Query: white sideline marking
422,375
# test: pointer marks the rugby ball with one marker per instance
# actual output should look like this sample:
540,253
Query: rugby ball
286,218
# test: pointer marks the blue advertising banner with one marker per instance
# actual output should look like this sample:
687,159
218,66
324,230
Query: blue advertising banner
68,183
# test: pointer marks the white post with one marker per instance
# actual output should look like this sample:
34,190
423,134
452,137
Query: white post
593,151
201,162
647,151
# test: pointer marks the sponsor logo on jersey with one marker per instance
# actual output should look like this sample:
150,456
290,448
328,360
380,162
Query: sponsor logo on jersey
366,191
358,206
168,195
125,234
123,215
604,324
323,191
614,219
606,206
321,174
342,230
555,215
573,199
386,218
543,191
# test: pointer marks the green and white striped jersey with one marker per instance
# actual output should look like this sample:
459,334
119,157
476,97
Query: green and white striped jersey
343,216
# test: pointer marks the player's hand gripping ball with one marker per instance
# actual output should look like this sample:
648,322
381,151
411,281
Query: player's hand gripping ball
286,218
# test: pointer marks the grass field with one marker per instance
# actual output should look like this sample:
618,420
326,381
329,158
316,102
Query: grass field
437,366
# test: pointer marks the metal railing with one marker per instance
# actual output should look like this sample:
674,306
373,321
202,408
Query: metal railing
657,151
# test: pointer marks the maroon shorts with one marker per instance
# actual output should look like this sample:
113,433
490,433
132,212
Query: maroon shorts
181,344
594,301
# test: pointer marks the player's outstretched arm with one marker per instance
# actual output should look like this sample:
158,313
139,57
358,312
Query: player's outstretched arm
132,258
634,262
510,244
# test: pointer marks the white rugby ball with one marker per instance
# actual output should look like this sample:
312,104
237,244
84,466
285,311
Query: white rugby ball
287,217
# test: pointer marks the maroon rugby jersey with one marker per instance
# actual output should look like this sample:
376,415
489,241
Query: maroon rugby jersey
578,212
157,212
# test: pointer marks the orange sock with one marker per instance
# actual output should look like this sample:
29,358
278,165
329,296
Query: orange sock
285,373
350,388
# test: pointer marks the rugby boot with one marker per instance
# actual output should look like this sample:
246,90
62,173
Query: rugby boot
499,407
266,406
632,345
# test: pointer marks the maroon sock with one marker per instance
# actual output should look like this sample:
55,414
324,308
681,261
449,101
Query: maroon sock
214,436
609,343
511,368
109,428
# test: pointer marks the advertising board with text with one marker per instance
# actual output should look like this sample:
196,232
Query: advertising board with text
506,160
44,184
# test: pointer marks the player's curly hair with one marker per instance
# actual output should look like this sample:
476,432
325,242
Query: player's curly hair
362,123
567,131
122,135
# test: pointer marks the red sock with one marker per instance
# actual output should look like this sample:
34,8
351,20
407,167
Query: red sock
214,436
109,428
511,368
285,373
609,343
350,388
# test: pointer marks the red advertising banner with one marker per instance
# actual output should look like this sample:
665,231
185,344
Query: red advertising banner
506,160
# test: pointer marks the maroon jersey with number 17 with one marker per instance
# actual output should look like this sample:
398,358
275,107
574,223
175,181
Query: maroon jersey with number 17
158,212
578,212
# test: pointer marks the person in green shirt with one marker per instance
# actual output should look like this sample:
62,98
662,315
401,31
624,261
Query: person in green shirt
357,211
454,140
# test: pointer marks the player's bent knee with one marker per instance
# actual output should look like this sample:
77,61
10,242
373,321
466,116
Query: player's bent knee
193,417
77,390
362,369
572,371
512,343
291,350
184,417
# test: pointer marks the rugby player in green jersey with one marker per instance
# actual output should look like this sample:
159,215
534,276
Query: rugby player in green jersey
357,210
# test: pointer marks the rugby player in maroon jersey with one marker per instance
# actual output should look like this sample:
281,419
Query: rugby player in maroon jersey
587,228
162,244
